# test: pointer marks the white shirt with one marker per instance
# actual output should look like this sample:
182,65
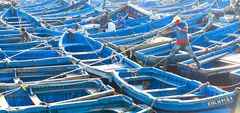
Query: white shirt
111,27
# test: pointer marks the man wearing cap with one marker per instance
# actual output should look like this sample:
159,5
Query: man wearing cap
182,42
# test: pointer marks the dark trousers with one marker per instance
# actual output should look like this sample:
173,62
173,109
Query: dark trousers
186,47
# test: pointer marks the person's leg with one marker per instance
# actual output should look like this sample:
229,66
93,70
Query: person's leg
235,14
175,49
189,50
238,12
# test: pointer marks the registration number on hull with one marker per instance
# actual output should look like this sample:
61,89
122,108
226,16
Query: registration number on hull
220,101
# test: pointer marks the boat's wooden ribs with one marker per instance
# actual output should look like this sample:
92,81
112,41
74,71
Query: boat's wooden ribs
35,99
3,102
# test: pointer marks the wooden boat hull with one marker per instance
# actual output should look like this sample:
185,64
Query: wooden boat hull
36,62
43,94
116,103
93,56
142,85
216,68
32,74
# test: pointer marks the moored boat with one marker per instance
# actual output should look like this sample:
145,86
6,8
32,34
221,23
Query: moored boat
168,92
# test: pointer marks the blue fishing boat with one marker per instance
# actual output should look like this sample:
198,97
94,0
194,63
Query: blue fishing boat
167,92
149,26
201,44
81,19
58,8
197,25
15,19
216,67
85,9
169,4
38,34
30,53
131,10
47,73
196,6
29,5
4,6
9,36
115,103
133,16
39,45
94,57
10,63
54,6
183,7
129,23
44,94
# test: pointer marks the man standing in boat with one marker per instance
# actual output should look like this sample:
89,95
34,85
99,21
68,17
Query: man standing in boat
182,41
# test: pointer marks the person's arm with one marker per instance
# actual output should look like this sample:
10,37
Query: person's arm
104,26
23,39
185,29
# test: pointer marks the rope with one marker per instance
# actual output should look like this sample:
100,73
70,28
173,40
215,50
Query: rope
224,38
8,92
198,88
90,45
6,56
151,107
229,86
29,49
159,62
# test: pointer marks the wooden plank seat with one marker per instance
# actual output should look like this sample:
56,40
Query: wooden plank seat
216,42
35,99
160,90
182,96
